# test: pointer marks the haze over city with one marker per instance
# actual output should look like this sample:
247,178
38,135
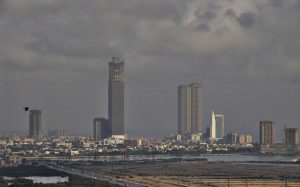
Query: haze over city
54,56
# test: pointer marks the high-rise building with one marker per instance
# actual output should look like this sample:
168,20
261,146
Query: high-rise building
35,124
100,129
190,109
116,97
184,110
249,139
291,136
231,138
206,135
217,126
245,139
242,139
267,133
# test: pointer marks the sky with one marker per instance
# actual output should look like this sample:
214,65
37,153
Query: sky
54,56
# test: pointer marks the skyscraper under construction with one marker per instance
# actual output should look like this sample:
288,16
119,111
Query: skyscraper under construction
116,97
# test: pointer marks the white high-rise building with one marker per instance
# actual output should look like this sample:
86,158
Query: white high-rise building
217,126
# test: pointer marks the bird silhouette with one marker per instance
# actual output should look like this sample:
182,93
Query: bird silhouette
26,108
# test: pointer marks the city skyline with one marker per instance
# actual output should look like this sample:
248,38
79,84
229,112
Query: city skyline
149,93
243,53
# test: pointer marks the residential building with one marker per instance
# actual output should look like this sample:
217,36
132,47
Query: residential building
190,109
231,138
35,124
291,136
267,133
100,129
245,139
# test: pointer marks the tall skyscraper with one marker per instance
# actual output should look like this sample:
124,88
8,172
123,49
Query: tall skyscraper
116,97
291,136
267,133
100,128
190,109
35,124
217,126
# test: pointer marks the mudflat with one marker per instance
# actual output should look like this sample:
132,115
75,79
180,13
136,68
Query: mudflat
201,173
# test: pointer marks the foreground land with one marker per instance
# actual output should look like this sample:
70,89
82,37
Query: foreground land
164,173
25,171
200,173
202,182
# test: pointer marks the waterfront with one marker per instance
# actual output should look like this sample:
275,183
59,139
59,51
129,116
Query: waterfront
209,157
42,179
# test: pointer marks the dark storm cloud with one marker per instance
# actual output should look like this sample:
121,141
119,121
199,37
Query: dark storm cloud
54,55
246,19
230,12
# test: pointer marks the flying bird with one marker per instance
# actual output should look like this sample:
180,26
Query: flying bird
26,108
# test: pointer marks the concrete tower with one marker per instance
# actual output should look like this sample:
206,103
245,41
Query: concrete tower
116,97
190,109
35,124
291,136
100,129
266,133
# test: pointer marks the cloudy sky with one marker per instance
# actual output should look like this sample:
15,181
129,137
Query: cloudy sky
54,55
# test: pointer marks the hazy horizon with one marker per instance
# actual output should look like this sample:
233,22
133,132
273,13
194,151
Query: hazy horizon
54,56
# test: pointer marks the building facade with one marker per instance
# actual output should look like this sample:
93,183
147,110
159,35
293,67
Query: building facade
291,136
249,139
231,138
217,128
266,133
116,97
100,129
245,139
190,109
35,124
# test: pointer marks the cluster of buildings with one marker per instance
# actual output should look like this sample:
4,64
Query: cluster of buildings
290,143
190,126
112,129
103,128
109,134
234,138
10,161
58,146
14,149
190,120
